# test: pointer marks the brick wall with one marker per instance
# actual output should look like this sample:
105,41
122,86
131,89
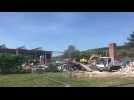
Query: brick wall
112,50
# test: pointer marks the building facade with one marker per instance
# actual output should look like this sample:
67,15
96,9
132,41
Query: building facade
44,57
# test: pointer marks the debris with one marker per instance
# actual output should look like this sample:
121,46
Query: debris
127,71
86,67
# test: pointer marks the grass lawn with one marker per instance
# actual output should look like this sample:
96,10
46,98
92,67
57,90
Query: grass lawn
57,80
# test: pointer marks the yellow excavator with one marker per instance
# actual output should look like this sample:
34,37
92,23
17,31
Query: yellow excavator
83,62
94,56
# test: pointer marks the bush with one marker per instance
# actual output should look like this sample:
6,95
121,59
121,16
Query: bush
52,68
11,63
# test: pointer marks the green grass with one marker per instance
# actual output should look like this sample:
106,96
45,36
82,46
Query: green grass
57,80
102,82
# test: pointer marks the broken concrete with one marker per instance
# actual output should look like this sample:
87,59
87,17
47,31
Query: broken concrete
86,67
127,71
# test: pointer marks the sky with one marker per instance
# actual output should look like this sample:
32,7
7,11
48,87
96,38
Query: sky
56,30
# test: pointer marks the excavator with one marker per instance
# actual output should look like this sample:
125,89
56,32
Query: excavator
102,63
99,63
94,56
84,62
108,62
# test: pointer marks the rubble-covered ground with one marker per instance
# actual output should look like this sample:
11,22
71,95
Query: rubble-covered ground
127,71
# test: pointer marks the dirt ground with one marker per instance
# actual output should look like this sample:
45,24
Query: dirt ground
79,75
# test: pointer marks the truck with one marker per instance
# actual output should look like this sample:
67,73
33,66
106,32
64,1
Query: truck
108,64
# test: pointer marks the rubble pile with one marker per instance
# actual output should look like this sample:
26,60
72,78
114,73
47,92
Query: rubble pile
128,70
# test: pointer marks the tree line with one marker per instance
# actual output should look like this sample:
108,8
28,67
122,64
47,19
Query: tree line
126,50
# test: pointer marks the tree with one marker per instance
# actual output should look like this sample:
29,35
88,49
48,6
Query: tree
11,63
52,67
77,55
130,43
3,46
71,52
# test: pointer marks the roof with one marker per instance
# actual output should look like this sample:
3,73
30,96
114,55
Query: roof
7,50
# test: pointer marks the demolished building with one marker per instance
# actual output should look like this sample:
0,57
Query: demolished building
40,55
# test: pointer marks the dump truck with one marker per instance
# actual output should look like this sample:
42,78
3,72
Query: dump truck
108,64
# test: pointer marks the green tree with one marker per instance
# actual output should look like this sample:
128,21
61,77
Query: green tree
52,67
11,63
71,52
3,46
130,43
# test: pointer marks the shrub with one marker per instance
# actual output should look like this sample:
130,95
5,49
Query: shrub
11,63
52,68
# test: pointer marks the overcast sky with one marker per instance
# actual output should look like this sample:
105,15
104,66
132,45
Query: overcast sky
56,30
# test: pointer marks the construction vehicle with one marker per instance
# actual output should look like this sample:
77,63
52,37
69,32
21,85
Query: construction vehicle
108,64
94,56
